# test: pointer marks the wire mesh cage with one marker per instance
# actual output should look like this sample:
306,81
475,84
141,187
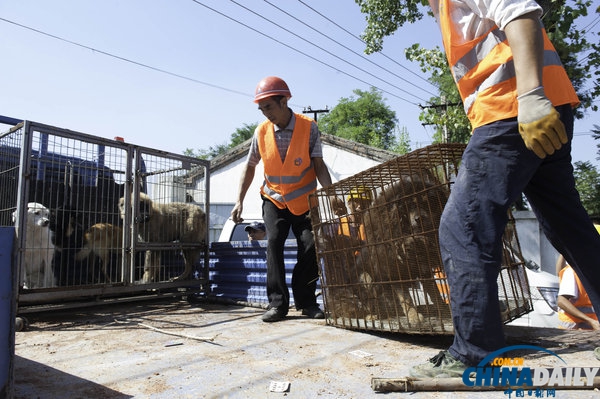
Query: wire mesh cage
376,235
97,217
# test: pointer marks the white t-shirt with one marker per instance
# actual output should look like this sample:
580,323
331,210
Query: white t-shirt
476,17
568,285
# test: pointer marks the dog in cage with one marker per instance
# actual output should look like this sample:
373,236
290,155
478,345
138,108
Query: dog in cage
36,260
403,228
165,223
67,232
105,242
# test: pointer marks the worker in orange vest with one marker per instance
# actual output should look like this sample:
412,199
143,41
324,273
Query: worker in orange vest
351,225
576,310
519,100
289,146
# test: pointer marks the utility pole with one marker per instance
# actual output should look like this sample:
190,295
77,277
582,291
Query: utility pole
445,109
309,110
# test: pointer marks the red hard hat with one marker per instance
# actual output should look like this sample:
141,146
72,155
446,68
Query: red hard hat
271,86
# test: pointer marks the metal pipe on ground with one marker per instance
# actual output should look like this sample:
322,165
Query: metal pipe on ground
408,384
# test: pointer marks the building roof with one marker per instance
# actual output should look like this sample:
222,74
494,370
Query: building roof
376,154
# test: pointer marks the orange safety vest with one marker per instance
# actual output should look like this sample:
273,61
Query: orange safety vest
485,75
351,229
288,184
582,303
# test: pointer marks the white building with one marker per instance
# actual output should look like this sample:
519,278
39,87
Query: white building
343,157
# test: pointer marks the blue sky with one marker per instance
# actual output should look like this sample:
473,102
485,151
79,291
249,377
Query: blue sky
182,72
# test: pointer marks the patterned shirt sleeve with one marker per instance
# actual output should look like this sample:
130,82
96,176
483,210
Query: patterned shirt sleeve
316,148
253,154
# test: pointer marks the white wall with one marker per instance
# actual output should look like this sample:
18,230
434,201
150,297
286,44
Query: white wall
534,244
225,181
342,164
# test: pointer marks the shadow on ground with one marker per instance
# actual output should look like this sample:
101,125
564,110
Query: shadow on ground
32,377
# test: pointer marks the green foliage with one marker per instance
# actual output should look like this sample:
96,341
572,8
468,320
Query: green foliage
403,142
242,134
579,52
579,55
587,181
365,119
207,154
596,136
384,17
446,112
239,136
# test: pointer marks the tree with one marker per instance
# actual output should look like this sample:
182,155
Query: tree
209,153
574,48
240,135
403,143
587,181
445,112
384,17
580,57
365,119
596,136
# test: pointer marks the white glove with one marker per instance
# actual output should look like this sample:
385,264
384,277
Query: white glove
539,123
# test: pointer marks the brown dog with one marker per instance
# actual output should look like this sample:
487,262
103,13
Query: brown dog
404,231
165,223
102,240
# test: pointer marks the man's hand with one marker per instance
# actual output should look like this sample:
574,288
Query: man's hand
539,123
338,206
236,213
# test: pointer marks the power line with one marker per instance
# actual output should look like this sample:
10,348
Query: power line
592,23
298,51
123,58
307,55
363,42
180,76
351,50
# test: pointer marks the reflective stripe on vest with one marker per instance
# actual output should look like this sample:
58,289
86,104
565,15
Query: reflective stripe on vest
583,302
485,75
287,184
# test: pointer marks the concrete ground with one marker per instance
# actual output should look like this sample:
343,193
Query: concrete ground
176,349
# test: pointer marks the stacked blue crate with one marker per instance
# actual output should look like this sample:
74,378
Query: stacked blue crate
238,270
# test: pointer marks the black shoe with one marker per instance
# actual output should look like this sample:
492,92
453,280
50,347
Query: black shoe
313,312
443,365
274,314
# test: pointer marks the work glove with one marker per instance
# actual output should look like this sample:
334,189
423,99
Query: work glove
539,123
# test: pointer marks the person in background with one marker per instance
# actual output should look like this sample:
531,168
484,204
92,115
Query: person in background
256,231
576,310
359,199
290,147
519,100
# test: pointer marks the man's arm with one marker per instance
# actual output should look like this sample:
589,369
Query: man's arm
539,123
527,45
566,305
322,172
245,181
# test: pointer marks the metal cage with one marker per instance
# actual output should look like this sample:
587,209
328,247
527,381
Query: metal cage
376,235
99,218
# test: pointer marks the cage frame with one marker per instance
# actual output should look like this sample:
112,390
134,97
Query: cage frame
36,299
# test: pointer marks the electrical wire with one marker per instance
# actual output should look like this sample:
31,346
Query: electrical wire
363,42
118,57
301,52
323,49
349,49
